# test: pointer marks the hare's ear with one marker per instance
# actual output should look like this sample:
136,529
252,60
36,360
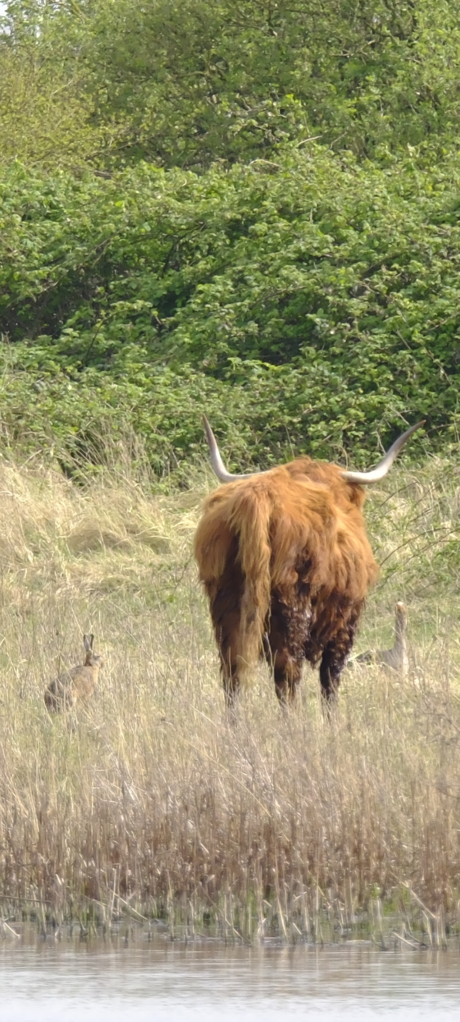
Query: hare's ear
88,642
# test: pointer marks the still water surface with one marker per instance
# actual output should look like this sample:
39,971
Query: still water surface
43,981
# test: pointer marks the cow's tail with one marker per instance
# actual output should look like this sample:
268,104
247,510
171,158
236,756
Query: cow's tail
252,524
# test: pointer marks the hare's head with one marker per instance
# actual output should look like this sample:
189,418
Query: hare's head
91,659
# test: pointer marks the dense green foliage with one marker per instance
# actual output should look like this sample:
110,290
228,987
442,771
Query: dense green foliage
173,239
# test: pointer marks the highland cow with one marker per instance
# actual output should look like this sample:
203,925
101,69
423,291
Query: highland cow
286,565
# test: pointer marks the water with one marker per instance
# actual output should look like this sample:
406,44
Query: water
42,981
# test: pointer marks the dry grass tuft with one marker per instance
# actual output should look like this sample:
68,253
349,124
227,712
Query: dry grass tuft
152,803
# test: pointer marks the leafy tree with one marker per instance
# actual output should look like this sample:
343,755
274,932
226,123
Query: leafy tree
186,82
45,110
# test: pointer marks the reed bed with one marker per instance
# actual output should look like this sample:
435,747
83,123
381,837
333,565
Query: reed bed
149,802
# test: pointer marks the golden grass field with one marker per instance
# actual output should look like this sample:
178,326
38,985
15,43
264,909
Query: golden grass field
148,801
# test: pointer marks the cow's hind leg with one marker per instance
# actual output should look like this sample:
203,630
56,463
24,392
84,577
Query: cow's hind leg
286,638
334,658
225,602
230,677
287,670
227,639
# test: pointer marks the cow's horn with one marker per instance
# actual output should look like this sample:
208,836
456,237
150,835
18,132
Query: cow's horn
378,473
216,460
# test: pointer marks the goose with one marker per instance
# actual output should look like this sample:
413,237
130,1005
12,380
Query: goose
397,658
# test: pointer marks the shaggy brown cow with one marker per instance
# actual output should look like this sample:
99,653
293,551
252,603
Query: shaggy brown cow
286,565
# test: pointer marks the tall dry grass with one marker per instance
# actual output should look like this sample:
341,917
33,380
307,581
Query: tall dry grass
149,801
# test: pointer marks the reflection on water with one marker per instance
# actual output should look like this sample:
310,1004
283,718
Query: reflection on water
68,980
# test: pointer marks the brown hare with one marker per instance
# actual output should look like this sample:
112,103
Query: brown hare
76,684
397,657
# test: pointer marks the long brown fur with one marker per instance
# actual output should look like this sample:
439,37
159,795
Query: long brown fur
286,565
